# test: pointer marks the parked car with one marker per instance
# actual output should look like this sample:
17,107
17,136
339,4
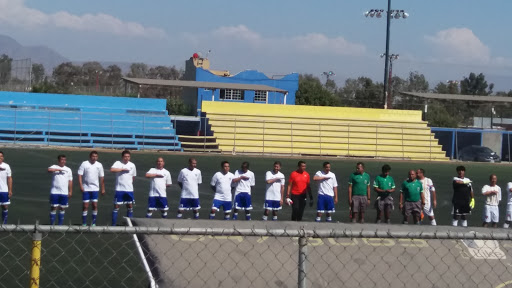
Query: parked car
478,154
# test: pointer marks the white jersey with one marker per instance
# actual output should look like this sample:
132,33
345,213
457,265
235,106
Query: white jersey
124,180
273,191
159,185
509,193
90,175
244,185
5,172
326,187
60,180
494,199
190,180
428,187
222,184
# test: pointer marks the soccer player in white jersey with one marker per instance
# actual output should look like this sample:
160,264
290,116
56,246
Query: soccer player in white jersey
91,178
189,180
160,180
327,192
492,193
125,174
222,183
508,218
274,194
429,193
244,182
62,189
5,187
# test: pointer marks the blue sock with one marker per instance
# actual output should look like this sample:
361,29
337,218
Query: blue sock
164,214
212,216
247,216
4,216
274,218
94,215
114,216
84,218
52,217
61,217
196,215
129,213
226,217
235,216
149,214
179,215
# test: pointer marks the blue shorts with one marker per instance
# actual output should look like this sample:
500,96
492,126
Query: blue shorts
58,200
4,198
189,204
243,201
157,203
325,204
226,205
89,196
272,205
124,197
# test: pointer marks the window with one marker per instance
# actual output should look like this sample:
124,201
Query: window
260,96
231,94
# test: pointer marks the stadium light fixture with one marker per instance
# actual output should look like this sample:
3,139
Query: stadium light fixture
390,14
328,74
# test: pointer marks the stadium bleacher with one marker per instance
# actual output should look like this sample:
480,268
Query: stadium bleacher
86,121
313,130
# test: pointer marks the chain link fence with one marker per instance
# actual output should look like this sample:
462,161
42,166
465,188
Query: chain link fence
280,254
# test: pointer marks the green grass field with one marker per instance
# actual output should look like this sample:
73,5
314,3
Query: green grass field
32,183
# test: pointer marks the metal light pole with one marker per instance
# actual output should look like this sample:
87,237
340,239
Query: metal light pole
397,14
328,75
389,95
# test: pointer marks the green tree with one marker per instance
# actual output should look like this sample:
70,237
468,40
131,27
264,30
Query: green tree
92,74
475,85
176,106
65,76
38,73
312,92
138,70
362,92
331,85
5,69
113,75
438,116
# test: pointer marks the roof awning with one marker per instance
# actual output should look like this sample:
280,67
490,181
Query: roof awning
202,84
458,97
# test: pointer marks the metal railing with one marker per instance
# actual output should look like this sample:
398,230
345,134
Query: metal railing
190,253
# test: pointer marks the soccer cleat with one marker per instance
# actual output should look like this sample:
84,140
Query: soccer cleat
93,225
84,224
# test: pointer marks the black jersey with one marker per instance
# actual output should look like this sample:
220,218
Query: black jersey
461,192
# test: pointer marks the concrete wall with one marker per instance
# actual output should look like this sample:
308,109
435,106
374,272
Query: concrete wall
492,140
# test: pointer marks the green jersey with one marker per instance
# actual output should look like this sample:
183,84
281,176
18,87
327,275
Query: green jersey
412,190
384,183
360,183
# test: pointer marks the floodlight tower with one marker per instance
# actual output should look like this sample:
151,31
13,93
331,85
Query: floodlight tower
328,74
389,96
396,14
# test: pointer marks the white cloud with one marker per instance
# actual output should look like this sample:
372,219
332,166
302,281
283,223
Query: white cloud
314,43
460,45
15,13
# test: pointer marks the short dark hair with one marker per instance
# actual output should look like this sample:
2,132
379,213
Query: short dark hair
325,164
1,152
278,163
300,163
461,168
360,163
386,168
93,152
422,171
223,162
125,152
191,159
61,156
490,177
245,164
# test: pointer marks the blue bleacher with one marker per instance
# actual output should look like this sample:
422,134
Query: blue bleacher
86,121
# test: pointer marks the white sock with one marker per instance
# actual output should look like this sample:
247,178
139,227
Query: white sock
264,218
464,223
505,225
455,222
317,219
274,218
433,222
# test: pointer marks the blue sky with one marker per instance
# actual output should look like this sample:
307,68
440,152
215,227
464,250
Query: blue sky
445,40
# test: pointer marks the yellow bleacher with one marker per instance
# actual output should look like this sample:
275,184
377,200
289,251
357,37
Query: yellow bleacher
315,130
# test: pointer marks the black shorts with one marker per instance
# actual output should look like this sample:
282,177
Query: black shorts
461,208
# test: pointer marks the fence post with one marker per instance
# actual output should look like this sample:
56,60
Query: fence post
303,249
15,123
143,131
49,124
35,259
263,137
205,133
80,129
112,129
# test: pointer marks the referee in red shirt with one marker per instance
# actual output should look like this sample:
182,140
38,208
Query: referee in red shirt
298,186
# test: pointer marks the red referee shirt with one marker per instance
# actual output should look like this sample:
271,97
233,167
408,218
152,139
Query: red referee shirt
300,182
